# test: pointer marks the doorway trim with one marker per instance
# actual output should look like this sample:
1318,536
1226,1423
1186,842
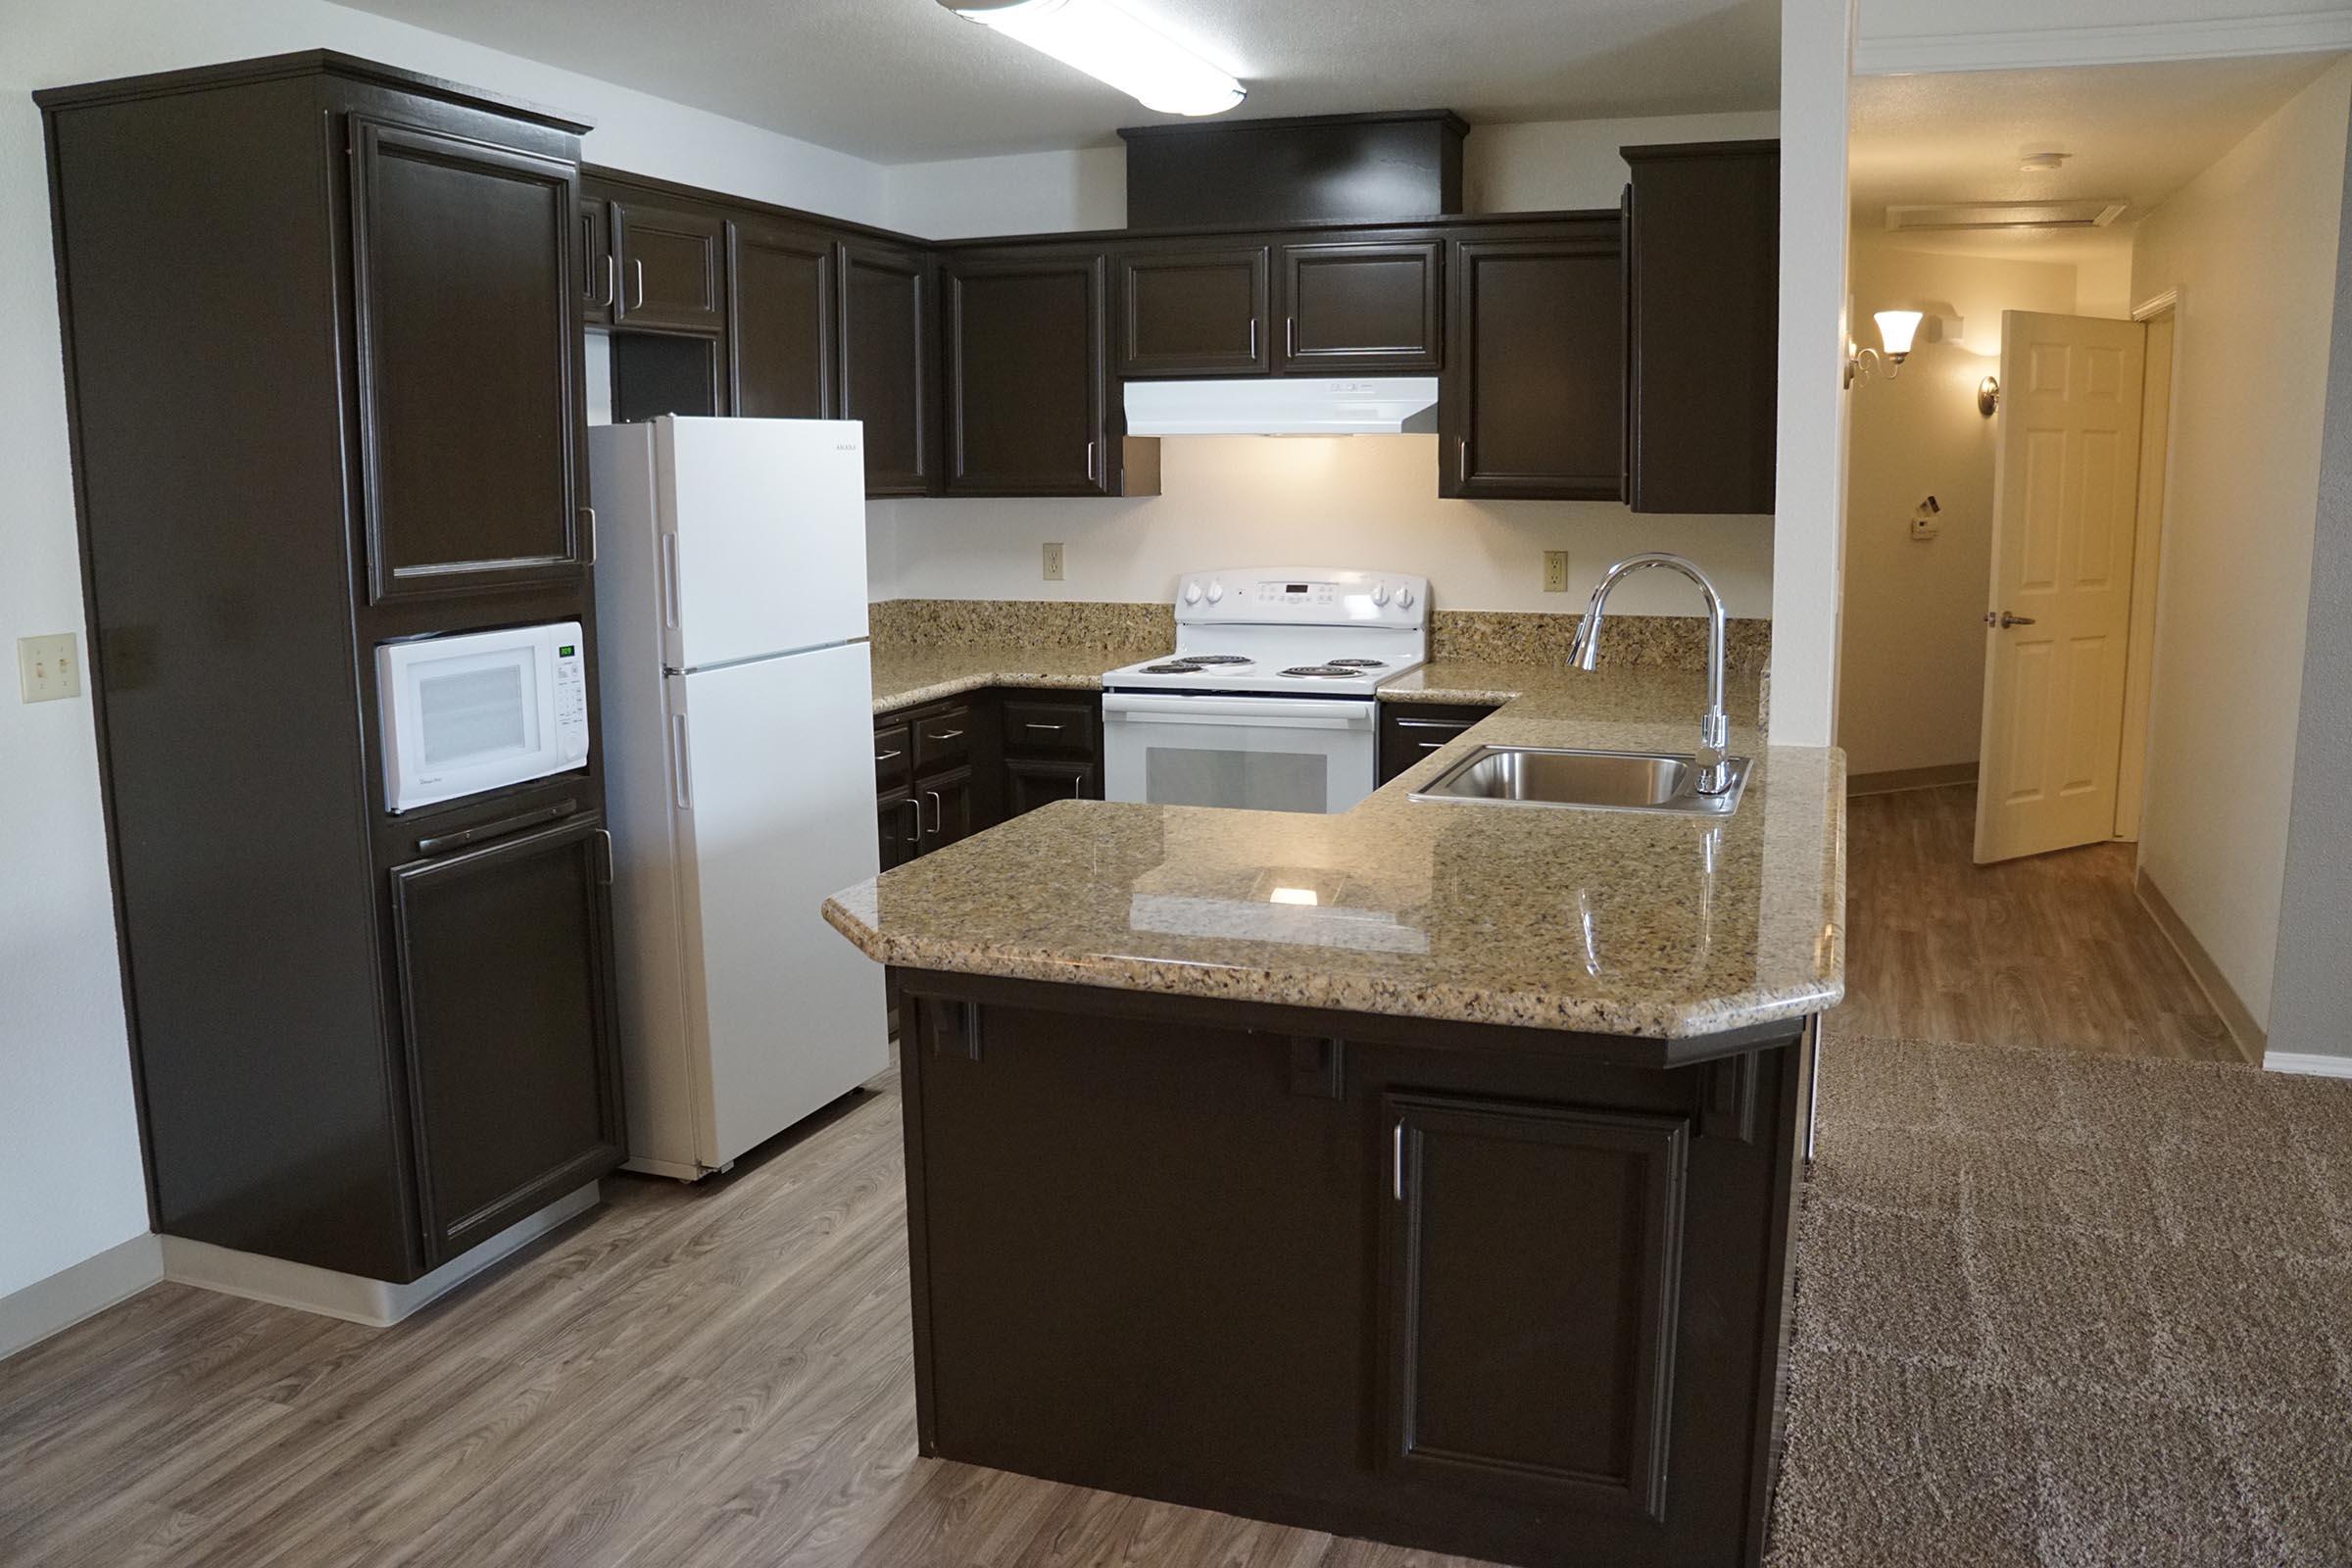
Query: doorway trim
2152,505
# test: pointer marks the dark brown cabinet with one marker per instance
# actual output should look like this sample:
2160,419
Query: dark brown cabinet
1702,310
1410,732
780,314
470,401
600,269
507,1017
1027,378
1533,403
884,340
944,770
1031,782
1369,307
1195,312
671,266
948,807
898,827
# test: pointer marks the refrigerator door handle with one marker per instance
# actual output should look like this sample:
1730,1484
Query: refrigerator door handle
669,581
682,786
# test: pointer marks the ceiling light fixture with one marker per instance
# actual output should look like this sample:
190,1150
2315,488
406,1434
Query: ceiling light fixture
1112,46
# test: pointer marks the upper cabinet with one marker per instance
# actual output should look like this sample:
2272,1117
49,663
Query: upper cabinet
1702,310
670,266
600,268
1370,307
1533,400
884,337
464,261
780,312
1027,375
1197,311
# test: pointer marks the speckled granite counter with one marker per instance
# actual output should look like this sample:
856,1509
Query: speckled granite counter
1621,923
906,676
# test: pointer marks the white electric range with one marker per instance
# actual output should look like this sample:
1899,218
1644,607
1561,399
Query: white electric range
1267,701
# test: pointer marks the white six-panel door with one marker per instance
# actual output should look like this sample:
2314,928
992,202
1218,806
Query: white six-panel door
2058,623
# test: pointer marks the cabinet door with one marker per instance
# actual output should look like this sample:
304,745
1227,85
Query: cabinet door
947,804
885,345
1030,784
781,311
1194,313
1702,308
1480,1307
470,414
670,268
1410,732
505,973
600,269
1362,306
1533,400
1026,376
898,827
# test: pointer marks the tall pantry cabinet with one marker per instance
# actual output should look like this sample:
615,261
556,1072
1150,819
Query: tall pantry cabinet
322,328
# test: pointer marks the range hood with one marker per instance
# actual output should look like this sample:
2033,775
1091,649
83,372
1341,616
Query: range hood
1285,405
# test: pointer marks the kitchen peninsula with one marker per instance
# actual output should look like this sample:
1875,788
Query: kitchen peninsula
1421,1173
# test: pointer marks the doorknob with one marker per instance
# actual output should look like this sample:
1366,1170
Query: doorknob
2004,620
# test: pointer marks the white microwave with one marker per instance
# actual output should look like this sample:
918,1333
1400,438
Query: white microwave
481,710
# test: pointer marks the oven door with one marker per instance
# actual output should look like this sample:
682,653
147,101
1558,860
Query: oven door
1264,753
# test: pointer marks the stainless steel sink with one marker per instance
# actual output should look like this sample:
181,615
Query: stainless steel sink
1591,781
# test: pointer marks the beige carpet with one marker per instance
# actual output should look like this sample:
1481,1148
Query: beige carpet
2069,1311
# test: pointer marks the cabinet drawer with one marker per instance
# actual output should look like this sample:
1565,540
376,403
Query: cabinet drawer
893,755
1064,729
1410,732
944,739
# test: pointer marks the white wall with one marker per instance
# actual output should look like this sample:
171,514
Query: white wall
1552,165
1911,683
1019,193
70,1174
2251,245
1368,501
1907,35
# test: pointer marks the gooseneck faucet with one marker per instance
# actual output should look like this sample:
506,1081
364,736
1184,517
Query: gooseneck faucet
1714,729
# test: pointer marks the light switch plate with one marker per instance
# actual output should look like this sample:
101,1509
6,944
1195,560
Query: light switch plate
1555,571
1052,563
48,668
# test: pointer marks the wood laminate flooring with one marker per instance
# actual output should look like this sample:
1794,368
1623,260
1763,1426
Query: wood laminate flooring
2053,949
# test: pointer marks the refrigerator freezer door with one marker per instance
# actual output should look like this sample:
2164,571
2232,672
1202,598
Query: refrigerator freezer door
762,537
773,793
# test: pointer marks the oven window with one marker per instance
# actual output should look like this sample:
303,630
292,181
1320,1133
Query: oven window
473,715
1256,781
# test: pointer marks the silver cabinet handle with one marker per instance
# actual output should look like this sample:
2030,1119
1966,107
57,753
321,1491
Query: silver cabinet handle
1056,728
1254,340
1090,459
1289,337
1462,460
884,757
915,837
939,813
637,283
1397,1162
611,280
588,522
949,735
2004,620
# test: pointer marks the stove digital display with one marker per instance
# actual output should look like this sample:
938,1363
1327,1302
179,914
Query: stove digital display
1294,587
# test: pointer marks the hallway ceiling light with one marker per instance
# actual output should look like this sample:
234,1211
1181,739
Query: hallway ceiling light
1112,46
2041,163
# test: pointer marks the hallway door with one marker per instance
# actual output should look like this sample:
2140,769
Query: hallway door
2058,625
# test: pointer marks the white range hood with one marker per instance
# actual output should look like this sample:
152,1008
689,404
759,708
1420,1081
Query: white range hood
1285,405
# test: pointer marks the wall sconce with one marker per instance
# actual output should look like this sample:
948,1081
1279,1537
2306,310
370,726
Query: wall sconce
1897,330
1988,395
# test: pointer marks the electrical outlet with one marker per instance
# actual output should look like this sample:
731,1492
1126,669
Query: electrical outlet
48,668
1052,563
1555,571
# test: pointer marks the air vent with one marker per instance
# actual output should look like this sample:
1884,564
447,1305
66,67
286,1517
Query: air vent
2096,212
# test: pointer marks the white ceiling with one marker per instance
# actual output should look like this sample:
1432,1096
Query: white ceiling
906,82
2139,132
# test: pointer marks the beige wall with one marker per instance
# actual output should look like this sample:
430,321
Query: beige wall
1912,679
2251,245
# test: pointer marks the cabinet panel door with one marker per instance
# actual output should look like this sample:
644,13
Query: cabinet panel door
504,975
946,802
781,314
1194,313
1534,403
1411,732
898,827
670,268
471,413
1464,1275
1030,784
600,269
884,342
1365,307
1026,376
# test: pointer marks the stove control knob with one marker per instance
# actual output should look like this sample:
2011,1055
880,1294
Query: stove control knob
1191,593
1380,593
1216,591
1404,599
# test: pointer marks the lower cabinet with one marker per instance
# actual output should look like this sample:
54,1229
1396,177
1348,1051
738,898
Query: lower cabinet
1030,783
944,770
1411,732
948,808
503,979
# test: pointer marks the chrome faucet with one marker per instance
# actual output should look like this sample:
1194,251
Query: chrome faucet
1714,729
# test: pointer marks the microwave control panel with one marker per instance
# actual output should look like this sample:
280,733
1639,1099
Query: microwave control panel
571,703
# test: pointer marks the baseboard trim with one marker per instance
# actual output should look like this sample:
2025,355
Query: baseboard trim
2310,1064
378,1303
89,1288
2236,1016
2105,44
1895,780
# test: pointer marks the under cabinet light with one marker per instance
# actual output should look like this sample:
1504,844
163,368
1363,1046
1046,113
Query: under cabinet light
1112,46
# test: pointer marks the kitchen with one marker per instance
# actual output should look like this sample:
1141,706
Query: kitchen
1322,1022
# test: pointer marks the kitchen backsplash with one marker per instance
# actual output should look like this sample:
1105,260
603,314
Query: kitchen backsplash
1542,637
905,623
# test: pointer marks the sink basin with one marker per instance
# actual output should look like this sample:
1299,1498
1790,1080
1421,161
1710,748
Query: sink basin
1591,781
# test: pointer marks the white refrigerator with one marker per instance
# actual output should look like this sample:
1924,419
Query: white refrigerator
738,733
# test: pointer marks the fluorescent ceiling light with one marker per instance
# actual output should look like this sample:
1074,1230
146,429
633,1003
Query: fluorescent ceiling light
1109,45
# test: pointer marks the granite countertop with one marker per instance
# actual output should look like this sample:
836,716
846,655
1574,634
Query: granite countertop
907,676
1613,922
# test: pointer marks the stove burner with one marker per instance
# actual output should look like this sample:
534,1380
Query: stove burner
1213,658
1359,663
1175,667
1322,671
